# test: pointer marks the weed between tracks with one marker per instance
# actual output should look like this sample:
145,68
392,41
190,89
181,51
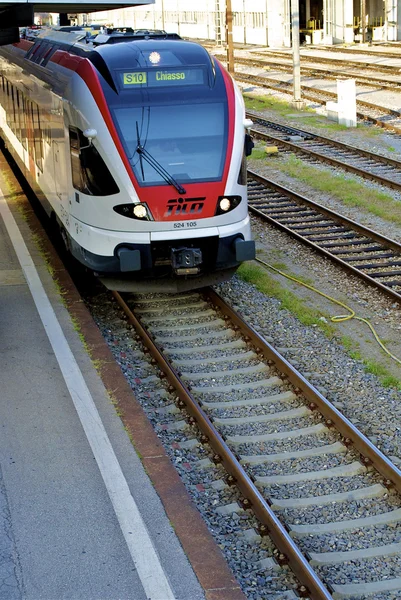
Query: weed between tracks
257,276
344,188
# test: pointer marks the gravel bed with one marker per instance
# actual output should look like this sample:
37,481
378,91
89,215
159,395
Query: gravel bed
381,596
319,488
340,511
159,330
232,395
260,409
231,379
354,539
389,567
206,354
185,320
304,442
243,557
360,395
267,428
301,465
210,367
185,312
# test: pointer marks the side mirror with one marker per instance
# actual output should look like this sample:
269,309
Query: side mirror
248,145
248,123
90,134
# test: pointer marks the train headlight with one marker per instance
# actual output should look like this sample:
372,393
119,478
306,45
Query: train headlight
137,210
225,204
140,211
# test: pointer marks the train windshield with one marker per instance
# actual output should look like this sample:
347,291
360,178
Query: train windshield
189,141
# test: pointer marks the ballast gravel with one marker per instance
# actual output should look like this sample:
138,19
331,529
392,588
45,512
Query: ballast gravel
245,557
297,465
373,408
335,512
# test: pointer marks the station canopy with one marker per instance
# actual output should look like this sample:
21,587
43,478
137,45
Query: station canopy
15,12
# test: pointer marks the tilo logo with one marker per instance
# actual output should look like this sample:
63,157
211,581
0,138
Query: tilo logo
185,206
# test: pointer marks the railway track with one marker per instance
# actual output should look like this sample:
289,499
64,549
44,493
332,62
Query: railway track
379,115
356,248
325,72
365,51
276,436
382,170
382,116
338,62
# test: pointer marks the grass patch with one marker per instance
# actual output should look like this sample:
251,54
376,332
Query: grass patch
387,380
306,117
349,343
252,273
258,154
280,266
348,190
256,275
260,103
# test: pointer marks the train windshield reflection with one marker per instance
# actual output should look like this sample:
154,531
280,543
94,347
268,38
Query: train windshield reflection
189,141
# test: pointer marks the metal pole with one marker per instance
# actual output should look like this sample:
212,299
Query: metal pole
218,23
266,25
229,37
244,17
295,52
163,23
363,21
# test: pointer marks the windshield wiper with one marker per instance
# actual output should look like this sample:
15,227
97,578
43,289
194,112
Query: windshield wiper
144,154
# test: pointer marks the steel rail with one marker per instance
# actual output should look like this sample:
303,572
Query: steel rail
270,524
369,233
322,72
370,454
316,96
342,62
330,160
320,138
311,585
361,51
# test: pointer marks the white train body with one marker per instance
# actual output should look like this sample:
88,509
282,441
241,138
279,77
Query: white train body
137,149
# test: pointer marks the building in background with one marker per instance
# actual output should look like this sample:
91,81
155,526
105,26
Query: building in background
264,22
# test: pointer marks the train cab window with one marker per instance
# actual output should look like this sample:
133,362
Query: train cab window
90,174
188,140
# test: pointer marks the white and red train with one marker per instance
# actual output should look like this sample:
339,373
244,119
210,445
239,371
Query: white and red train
137,149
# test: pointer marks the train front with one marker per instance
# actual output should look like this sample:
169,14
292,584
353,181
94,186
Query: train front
180,119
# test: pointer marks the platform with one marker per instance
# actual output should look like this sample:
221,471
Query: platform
79,516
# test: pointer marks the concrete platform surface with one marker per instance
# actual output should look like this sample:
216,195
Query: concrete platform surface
79,517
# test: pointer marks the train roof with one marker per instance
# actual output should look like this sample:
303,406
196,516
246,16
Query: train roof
116,49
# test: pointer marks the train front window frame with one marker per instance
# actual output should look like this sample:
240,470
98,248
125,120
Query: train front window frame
189,140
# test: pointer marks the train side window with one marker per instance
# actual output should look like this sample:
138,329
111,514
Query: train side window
17,114
90,174
8,104
22,117
37,136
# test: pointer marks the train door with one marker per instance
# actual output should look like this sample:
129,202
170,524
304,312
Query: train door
61,201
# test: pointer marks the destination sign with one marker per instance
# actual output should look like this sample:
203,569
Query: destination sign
163,77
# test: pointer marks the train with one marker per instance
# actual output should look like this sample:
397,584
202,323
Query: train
135,142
